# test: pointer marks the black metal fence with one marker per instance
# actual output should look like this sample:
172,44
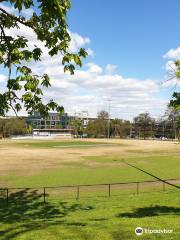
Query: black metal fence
82,191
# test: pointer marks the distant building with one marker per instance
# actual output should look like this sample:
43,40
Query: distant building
54,120
83,116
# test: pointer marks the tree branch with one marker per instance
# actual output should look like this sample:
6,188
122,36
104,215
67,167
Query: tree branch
3,33
18,19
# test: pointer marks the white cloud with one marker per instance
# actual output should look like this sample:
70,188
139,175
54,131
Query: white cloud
170,79
90,52
110,69
173,53
89,88
77,41
94,68
2,78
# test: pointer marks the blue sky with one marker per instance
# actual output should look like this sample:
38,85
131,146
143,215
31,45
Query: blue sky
133,34
131,44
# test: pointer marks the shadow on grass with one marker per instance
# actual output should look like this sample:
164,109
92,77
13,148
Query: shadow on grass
25,212
151,211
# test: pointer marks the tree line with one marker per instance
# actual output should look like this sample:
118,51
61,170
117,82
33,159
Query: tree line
14,126
143,126
103,126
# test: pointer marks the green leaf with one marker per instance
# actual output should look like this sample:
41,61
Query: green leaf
77,60
49,23
83,53
45,81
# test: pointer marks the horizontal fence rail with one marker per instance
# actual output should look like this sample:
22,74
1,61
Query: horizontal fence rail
84,190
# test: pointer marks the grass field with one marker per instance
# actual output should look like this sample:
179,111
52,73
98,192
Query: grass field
40,163
92,219
27,163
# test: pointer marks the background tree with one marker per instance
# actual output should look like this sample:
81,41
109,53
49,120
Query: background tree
49,23
102,124
120,128
77,127
175,102
2,127
91,130
13,126
99,126
143,125
170,120
103,115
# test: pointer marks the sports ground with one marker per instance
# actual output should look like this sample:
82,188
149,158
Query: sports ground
49,163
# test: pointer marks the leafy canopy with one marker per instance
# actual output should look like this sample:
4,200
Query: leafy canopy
49,22
175,102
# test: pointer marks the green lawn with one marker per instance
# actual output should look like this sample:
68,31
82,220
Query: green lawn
93,216
90,219
166,167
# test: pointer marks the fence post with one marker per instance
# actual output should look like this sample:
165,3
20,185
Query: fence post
137,187
7,196
77,197
44,194
163,186
109,190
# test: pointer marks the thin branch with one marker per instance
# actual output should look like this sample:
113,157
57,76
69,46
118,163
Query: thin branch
173,69
18,19
169,79
3,33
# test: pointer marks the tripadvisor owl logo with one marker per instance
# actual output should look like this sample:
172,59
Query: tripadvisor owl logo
138,231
